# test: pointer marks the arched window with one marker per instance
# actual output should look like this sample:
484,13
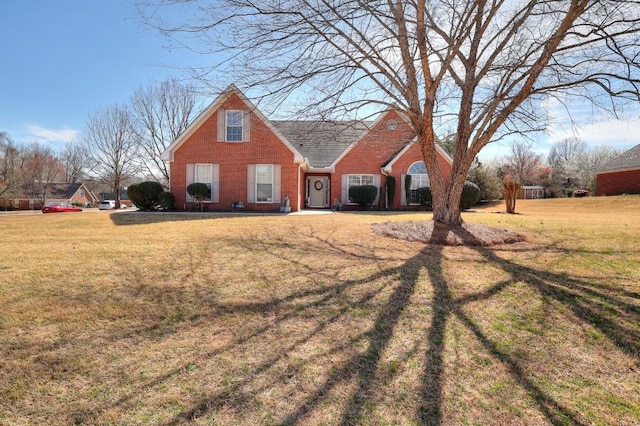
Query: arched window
419,179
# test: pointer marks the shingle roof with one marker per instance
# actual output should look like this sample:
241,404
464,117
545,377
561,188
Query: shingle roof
62,190
627,160
321,142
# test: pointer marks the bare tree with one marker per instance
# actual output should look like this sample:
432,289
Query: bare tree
40,168
76,160
483,67
523,164
161,113
10,166
113,146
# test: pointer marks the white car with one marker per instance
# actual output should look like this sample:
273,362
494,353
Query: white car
110,204
107,205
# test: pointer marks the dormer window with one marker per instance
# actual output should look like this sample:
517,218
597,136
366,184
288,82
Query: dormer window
234,126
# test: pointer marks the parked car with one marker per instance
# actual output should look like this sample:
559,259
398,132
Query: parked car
110,204
59,208
107,205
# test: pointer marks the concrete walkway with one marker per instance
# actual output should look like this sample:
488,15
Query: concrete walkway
312,212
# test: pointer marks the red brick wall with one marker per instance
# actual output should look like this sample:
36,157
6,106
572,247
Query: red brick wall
376,148
264,147
618,183
401,167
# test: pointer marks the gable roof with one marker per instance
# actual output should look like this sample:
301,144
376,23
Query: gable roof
168,153
387,166
322,142
62,190
629,160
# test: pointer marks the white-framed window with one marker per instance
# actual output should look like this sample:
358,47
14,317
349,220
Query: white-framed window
419,179
209,174
234,121
358,180
264,183
203,174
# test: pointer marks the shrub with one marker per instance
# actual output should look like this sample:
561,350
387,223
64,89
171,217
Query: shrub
363,195
487,179
145,195
166,200
424,195
470,195
407,188
199,191
391,188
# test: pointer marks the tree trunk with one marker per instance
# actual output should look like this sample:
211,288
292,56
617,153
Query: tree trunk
445,197
116,192
446,206
510,196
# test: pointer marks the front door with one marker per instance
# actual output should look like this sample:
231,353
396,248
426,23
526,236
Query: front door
318,191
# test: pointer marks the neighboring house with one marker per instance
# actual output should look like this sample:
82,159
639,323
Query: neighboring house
62,192
72,193
531,192
249,161
620,175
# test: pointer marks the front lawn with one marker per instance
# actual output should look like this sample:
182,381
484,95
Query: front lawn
142,318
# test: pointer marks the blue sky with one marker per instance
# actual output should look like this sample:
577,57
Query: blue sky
63,59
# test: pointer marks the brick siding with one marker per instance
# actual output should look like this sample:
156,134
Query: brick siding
618,183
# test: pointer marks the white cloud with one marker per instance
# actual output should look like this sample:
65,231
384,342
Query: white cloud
44,135
590,126
616,133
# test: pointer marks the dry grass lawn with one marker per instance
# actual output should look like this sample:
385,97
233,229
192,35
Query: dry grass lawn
138,318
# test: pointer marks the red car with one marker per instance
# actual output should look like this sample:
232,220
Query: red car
59,208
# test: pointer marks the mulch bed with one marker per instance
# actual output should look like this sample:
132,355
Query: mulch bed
468,234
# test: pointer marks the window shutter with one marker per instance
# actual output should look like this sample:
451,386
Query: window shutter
276,183
246,126
222,125
215,183
376,183
251,183
189,180
403,193
345,189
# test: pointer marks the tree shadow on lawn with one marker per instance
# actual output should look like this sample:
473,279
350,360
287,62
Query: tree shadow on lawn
605,310
127,218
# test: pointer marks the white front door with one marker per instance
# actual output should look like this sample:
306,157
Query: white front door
318,190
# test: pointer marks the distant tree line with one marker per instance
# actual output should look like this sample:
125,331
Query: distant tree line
571,165
120,145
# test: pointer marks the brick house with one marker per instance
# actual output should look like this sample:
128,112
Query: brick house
247,160
60,192
620,175
72,193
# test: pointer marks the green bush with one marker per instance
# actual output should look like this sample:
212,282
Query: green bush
145,195
166,201
424,195
363,195
199,192
470,195
390,187
407,188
